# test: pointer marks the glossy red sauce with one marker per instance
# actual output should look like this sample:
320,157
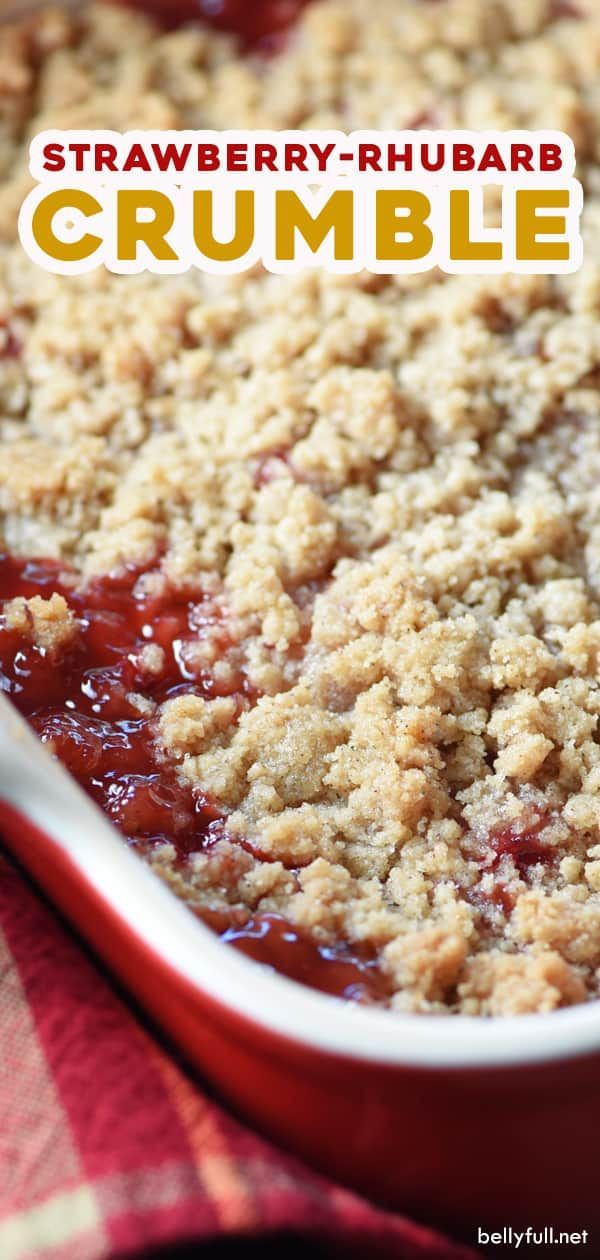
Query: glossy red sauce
336,969
258,23
80,703
523,846
526,849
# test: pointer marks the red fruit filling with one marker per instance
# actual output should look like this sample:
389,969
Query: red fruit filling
260,24
524,847
334,969
523,843
80,703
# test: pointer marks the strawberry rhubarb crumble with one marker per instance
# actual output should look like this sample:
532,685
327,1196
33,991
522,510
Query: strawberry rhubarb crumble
302,574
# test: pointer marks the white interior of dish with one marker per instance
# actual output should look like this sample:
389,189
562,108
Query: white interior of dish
40,788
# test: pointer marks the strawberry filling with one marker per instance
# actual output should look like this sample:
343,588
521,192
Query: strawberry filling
259,25
82,704
524,847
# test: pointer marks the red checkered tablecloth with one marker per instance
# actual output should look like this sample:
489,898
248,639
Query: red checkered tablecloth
108,1147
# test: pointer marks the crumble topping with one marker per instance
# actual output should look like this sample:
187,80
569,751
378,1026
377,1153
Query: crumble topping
49,623
388,486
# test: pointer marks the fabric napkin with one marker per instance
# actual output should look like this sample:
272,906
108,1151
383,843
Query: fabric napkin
110,1148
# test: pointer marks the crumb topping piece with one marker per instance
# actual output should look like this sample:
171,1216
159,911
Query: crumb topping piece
48,623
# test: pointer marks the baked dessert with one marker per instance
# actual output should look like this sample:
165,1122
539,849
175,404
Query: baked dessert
302,574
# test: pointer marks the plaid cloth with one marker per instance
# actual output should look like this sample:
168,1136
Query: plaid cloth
108,1148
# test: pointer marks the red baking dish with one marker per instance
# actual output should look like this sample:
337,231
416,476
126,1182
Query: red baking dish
493,1121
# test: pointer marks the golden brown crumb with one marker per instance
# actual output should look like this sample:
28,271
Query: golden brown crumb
521,984
47,622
